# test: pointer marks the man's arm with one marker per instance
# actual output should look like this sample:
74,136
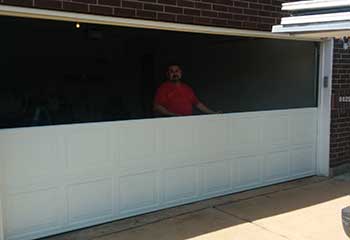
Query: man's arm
204,108
162,110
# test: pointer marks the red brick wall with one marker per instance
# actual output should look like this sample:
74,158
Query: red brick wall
340,122
245,14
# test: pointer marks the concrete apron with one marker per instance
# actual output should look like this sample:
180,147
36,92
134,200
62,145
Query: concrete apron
300,210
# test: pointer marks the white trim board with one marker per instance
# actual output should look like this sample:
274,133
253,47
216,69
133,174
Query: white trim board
318,18
314,4
126,22
324,108
317,30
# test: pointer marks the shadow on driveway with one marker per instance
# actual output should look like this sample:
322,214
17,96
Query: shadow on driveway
304,209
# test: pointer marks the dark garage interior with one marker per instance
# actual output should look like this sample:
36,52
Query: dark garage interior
56,73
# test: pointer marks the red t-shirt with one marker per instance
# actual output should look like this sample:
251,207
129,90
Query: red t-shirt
177,98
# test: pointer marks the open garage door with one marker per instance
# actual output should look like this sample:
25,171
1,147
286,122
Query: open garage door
76,168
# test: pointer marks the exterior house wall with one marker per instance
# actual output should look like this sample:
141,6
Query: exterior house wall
258,15
340,120
251,14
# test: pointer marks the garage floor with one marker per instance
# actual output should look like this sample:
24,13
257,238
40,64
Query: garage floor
309,208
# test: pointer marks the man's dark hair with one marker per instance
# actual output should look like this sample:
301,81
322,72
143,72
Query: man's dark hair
173,64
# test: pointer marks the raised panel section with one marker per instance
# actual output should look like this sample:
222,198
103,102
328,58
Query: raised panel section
30,155
275,131
245,133
90,200
178,136
87,147
216,177
137,139
212,134
303,128
250,171
180,183
30,212
303,160
137,192
276,166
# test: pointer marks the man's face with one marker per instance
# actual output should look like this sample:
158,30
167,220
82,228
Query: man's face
174,73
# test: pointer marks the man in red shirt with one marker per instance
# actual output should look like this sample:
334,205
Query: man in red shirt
175,98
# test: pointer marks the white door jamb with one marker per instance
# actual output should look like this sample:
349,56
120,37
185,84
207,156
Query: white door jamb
324,107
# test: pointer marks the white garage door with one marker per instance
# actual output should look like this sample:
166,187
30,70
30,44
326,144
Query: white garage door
60,178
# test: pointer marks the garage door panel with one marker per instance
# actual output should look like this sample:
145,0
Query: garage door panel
31,155
275,130
91,200
138,192
87,148
303,128
136,147
216,134
303,161
212,182
138,140
276,166
177,136
180,184
245,133
33,212
250,171
132,167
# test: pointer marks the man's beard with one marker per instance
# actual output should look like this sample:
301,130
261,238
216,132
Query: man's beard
176,79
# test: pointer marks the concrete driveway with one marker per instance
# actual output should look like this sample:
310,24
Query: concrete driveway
304,209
